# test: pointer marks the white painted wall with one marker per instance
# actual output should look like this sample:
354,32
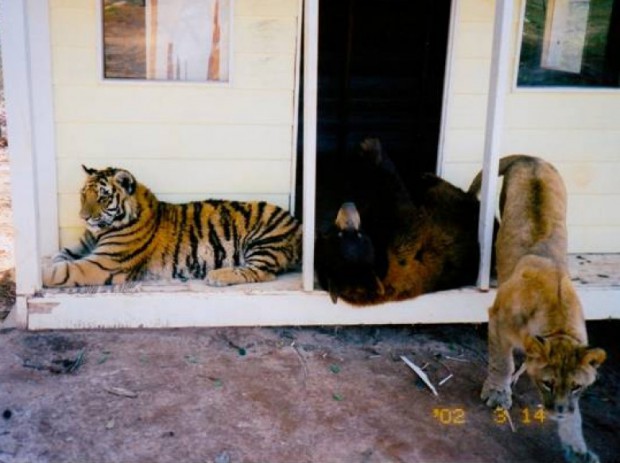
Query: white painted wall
185,141
577,130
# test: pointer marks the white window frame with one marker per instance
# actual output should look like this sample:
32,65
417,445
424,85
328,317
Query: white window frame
156,82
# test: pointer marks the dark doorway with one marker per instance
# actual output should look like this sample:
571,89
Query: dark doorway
381,74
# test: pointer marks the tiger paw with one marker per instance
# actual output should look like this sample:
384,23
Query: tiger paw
222,277
496,396
236,275
48,274
572,456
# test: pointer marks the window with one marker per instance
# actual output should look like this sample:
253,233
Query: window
181,40
572,43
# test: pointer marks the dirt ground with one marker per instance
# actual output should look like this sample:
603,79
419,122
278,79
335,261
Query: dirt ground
320,394
276,395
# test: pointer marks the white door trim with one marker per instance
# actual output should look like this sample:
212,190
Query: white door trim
311,41
40,46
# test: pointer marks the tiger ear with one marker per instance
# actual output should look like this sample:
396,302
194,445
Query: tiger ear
593,357
88,170
535,347
126,181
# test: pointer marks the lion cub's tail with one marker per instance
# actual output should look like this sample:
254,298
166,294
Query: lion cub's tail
505,164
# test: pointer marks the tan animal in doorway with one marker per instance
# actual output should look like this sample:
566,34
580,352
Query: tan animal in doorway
536,308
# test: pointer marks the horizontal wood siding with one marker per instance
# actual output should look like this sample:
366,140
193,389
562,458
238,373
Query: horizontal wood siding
577,130
185,141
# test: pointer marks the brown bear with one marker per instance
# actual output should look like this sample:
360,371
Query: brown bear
389,242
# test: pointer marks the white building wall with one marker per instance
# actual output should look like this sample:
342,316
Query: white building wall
578,130
184,140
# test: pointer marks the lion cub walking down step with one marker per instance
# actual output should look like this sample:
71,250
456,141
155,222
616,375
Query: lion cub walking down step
536,308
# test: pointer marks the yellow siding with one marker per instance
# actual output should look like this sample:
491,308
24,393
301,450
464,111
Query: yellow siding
577,130
185,141
187,104
83,142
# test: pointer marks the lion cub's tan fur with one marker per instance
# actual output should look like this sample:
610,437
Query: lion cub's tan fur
537,309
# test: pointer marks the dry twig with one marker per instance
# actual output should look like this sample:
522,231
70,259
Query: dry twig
420,373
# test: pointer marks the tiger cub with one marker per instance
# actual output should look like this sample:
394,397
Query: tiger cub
131,235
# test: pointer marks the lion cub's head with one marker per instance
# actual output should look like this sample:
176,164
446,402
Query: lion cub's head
561,369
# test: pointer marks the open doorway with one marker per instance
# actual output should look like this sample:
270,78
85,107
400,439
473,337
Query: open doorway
380,73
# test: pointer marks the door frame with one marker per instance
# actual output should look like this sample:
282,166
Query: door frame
500,63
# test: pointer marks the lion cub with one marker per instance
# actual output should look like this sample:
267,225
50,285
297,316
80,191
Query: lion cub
536,308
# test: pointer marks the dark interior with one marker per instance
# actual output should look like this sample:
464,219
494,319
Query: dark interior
381,74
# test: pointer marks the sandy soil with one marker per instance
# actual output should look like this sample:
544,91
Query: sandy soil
275,395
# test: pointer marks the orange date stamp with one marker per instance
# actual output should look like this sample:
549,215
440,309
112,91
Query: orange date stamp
456,416
449,416
527,416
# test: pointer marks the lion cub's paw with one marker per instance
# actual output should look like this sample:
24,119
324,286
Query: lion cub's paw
495,397
571,456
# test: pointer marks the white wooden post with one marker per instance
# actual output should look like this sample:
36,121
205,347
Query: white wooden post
18,95
498,86
40,46
311,40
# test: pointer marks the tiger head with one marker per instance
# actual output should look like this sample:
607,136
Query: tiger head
561,369
108,199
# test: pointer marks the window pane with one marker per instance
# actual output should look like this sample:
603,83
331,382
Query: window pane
167,39
570,43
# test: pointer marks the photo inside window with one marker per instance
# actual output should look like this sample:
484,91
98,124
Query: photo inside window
573,43
183,40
